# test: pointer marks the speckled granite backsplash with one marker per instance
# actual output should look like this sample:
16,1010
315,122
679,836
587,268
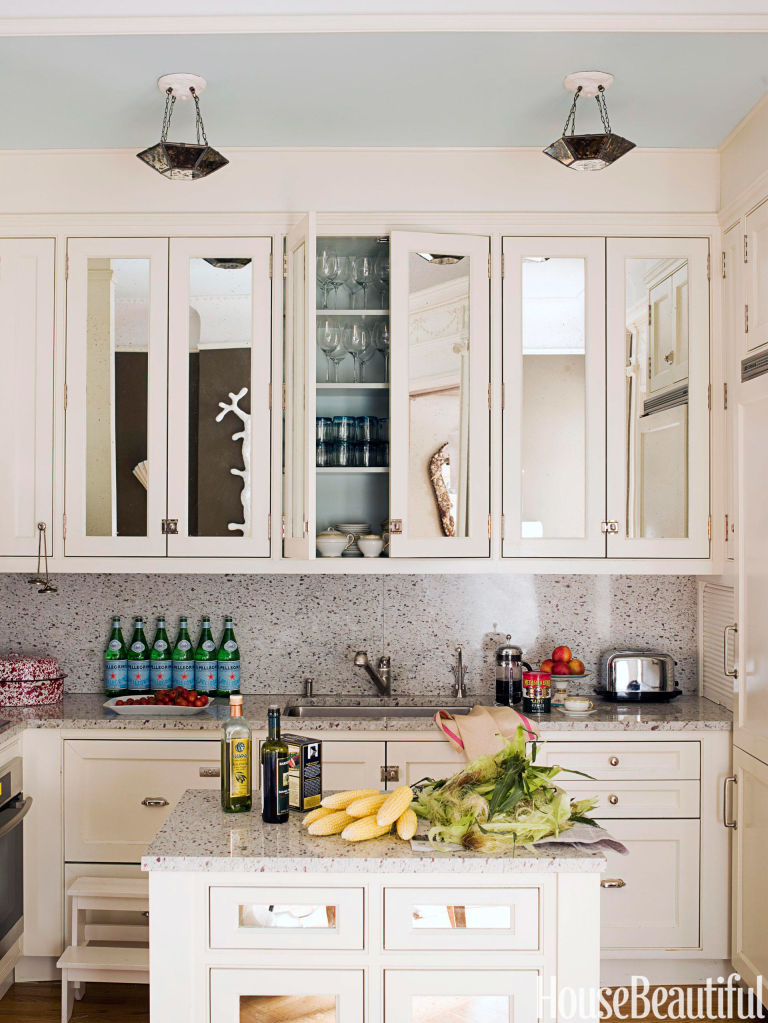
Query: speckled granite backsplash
291,627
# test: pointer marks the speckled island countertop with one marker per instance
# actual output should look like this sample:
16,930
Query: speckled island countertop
86,711
198,836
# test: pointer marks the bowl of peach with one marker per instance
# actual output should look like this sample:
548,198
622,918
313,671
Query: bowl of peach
562,664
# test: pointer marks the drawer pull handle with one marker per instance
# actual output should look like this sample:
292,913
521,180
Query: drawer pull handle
210,772
730,672
614,761
613,882
154,801
728,822
613,800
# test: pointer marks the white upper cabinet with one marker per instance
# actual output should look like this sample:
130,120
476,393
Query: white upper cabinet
733,344
26,412
219,347
439,455
657,374
554,397
168,423
756,274
117,366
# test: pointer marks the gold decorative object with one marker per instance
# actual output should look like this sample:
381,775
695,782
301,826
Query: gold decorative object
436,465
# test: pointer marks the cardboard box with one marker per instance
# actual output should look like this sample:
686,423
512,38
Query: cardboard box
305,774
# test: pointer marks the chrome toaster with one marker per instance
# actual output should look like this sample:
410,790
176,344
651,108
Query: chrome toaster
638,675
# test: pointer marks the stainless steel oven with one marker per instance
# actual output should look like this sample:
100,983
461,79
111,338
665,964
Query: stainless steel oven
13,809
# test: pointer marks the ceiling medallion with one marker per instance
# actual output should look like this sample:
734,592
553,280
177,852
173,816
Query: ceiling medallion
182,161
588,152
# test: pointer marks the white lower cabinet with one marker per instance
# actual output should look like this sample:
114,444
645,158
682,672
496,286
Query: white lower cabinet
272,995
417,760
493,996
650,898
750,839
356,765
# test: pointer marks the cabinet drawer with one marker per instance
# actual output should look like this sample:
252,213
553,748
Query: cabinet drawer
636,798
461,919
461,996
117,793
607,760
280,996
303,918
657,906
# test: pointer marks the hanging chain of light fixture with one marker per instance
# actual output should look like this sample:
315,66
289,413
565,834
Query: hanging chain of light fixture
588,152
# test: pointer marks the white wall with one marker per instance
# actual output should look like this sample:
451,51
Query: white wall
744,156
675,181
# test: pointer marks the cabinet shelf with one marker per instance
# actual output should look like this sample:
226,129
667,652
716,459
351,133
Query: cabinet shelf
353,312
334,390
352,470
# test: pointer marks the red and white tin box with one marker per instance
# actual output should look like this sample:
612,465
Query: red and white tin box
27,681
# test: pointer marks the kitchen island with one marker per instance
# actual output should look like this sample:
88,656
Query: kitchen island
252,922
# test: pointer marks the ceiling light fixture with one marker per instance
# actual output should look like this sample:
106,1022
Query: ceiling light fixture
588,152
182,161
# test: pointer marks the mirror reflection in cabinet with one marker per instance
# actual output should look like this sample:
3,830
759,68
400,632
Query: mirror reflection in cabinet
116,386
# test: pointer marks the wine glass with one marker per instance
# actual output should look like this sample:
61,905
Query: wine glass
355,339
381,268
366,354
343,277
363,273
381,341
337,355
327,269
327,340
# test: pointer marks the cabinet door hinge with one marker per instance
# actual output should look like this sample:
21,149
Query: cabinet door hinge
306,528
609,526
746,248
503,266
503,526
746,319
489,394
709,397
489,527
269,527
725,395
726,528
489,266
285,265
709,268
723,272
64,517
503,397
283,526
271,265
709,527
66,397
66,268
284,404
170,527
649,318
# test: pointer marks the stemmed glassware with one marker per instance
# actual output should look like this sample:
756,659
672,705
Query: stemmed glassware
337,355
363,273
327,272
355,339
342,278
381,268
327,340
381,341
366,354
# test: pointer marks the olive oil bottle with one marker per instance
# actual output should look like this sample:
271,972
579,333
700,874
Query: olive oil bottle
236,760
275,763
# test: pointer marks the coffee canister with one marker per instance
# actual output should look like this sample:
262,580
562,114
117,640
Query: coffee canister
537,695
509,673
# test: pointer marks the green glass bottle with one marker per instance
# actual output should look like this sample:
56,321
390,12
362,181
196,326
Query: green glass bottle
229,662
115,662
160,663
205,660
183,658
138,660
236,749
275,762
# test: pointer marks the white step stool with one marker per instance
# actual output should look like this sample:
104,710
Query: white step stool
116,964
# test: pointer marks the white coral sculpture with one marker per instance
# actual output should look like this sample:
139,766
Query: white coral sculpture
245,436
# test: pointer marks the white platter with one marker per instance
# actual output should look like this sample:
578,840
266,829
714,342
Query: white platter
153,710
577,713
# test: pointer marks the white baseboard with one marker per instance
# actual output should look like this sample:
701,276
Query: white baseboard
617,972
31,968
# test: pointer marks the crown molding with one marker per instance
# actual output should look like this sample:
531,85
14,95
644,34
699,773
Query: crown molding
349,23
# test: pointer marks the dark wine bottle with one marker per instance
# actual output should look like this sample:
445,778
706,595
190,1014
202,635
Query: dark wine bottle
275,761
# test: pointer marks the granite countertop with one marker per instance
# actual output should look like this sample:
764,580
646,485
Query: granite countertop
198,836
86,711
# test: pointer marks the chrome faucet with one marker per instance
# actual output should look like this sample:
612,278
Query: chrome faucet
382,677
459,674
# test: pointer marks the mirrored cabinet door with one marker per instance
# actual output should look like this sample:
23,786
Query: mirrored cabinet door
439,416
299,391
117,347
657,393
26,411
554,389
218,396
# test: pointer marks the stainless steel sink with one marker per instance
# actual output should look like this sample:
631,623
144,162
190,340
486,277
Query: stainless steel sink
345,710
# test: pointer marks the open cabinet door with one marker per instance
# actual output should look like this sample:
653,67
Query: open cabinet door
439,416
299,392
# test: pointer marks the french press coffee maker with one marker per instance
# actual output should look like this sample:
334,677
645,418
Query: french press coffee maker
509,674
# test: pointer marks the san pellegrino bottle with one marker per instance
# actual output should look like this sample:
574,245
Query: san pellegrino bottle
183,658
229,662
115,662
275,763
236,760
205,660
138,660
160,663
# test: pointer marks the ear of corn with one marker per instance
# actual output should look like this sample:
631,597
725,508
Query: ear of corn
394,805
406,824
364,828
315,815
341,800
330,824
366,806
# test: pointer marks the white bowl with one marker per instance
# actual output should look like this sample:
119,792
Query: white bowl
333,546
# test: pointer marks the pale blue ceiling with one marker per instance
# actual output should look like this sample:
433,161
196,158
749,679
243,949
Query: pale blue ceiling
376,89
